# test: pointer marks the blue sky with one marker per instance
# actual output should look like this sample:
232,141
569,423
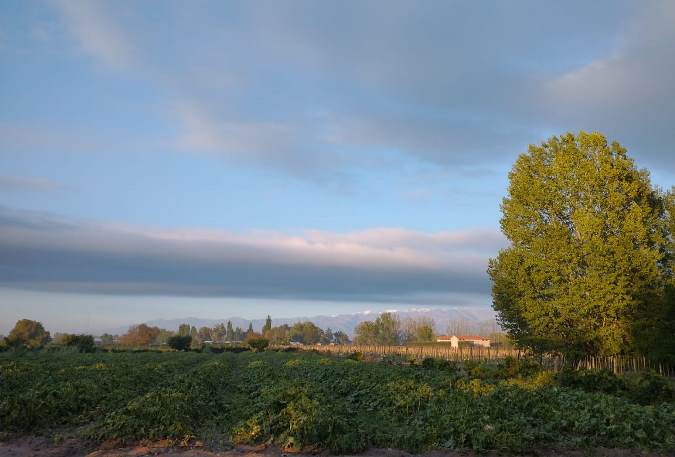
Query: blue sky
166,159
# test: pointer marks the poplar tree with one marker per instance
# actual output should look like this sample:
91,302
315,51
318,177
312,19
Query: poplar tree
588,268
268,325
229,332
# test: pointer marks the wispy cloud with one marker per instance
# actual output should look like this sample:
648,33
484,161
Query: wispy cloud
628,93
286,88
18,183
97,34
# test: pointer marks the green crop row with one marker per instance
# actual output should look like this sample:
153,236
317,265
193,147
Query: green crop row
300,400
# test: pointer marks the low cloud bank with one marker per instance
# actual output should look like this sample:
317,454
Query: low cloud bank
43,252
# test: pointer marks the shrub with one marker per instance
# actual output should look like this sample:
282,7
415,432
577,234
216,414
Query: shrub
595,380
439,364
180,343
358,356
83,343
258,344
236,349
649,387
28,334
513,368
539,381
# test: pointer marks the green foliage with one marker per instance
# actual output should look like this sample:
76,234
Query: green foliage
588,266
649,387
258,343
184,329
280,334
385,330
642,387
306,333
83,343
29,334
511,367
180,342
591,380
268,325
107,339
440,364
340,337
236,349
307,401
418,331
53,390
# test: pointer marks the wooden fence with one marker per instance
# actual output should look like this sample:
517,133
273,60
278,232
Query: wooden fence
618,364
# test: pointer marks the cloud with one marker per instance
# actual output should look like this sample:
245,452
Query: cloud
317,91
292,148
18,184
97,32
453,85
43,252
630,93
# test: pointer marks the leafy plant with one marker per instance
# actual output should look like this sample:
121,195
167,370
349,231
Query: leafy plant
258,344
180,342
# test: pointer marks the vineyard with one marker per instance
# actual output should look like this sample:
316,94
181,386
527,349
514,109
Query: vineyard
617,364
308,400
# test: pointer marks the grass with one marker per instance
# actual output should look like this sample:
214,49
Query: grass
300,400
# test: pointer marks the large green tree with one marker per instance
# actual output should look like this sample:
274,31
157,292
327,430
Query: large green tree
587,270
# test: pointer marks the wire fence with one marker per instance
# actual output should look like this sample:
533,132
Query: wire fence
618,363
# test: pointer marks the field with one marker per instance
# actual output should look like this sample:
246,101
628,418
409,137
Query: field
302,401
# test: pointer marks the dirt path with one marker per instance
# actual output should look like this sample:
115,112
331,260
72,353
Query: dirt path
43,447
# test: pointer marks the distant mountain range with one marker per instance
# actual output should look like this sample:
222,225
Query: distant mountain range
460,320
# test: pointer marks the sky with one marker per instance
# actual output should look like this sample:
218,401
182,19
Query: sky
164,159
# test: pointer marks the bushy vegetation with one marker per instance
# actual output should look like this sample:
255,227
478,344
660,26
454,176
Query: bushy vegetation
304,399
257,343
180,342
83,343
643,388
28,334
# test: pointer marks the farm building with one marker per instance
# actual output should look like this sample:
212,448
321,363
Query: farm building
456,340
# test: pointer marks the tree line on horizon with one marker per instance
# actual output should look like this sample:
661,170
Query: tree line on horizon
386,329
31,334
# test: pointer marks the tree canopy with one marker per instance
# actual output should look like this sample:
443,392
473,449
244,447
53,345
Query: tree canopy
28,333
180,342
385,330
589,266
418,331
306,333
268,325
140,335
84,343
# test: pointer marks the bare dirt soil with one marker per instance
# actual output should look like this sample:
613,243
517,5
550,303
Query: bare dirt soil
71,447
